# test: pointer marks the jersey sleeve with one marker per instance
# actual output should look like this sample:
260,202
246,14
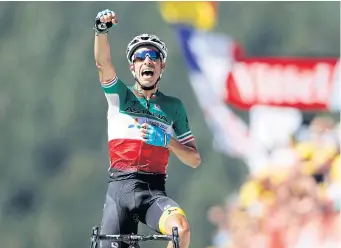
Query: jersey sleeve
114,86
181,126
114,90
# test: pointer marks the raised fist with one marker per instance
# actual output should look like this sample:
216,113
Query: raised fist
105,20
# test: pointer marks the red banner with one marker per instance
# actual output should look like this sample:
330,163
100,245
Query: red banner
304,83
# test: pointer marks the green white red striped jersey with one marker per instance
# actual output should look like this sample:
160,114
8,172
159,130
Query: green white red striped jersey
126,107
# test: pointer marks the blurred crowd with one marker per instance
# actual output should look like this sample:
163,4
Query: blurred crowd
292,205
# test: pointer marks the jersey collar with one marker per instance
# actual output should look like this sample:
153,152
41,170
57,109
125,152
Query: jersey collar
138,93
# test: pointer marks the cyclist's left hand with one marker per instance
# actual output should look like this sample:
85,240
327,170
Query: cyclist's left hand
155,136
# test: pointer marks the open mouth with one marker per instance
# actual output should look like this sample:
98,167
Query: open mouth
147,73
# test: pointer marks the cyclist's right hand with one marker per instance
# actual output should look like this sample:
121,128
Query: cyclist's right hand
105,20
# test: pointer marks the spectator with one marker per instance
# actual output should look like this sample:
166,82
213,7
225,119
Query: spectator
293,205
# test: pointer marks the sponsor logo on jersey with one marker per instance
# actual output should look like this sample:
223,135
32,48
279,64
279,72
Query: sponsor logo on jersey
146,112
136,122
158,124
164,127
157,107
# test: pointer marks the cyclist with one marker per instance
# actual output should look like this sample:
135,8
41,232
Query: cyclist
141,123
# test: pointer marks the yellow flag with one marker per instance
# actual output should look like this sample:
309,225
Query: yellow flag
202,15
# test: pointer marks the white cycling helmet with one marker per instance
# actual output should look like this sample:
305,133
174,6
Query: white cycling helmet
148,40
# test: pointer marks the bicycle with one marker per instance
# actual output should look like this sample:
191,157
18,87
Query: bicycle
133,239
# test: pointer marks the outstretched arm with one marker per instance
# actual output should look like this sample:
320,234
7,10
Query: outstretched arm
101,47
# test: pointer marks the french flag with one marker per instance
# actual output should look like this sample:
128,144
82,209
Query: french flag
209,57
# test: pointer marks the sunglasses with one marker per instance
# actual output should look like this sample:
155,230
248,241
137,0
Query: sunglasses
141,56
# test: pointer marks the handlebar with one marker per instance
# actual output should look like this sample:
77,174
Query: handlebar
134,237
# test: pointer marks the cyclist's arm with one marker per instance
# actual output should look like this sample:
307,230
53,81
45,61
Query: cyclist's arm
188,153
105,68
184,147
112,86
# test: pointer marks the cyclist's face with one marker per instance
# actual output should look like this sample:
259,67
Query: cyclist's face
147,65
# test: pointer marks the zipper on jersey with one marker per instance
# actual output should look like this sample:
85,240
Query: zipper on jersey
147,105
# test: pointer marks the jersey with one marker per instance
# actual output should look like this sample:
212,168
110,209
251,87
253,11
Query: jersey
126,107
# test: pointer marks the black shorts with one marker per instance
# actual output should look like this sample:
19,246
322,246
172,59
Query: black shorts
133,200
